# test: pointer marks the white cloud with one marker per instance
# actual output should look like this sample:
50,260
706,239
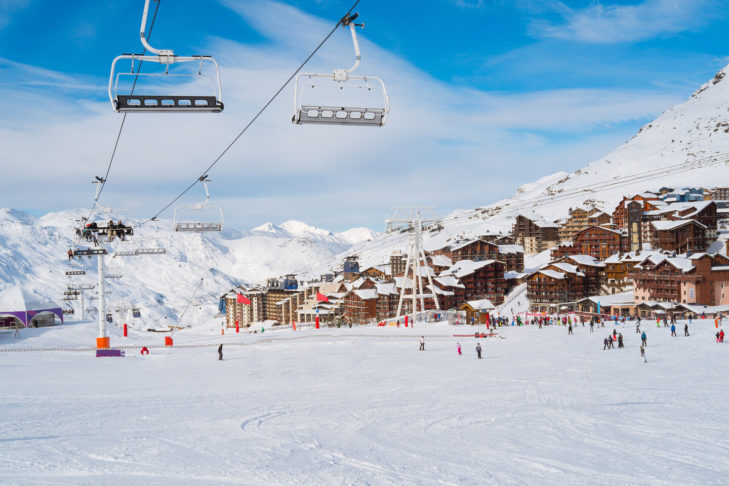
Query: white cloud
334,177
600,23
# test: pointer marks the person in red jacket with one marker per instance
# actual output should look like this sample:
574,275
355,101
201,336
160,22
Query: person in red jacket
145,351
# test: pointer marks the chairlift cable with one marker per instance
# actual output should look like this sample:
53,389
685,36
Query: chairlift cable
260,112
124,118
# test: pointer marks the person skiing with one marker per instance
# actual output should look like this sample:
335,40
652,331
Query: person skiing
615,335
620,340
604,344
478,350
685,330
70,254
642,354
458,347
721,335
673,329
610,341
637,328
643,339
422,343
592,325
569,329
220,352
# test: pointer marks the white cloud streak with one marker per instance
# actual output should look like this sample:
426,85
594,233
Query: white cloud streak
606,23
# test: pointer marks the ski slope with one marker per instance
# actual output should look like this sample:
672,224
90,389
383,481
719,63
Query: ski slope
364,406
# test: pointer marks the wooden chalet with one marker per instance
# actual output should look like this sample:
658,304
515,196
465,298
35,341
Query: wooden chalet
596,241
482,279
534,235
617,268
477,311
680,236
580,219
648,201
556,284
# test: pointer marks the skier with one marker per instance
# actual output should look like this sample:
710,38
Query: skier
615,335
610,341
620,340
673,329
592,325
637,328
422,343
685,330
220,352
721,335
478,350
642,354
569,329
643,339
458,347
604,344
70,254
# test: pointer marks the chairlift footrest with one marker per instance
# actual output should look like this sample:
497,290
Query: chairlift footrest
162,103
340,115
198,227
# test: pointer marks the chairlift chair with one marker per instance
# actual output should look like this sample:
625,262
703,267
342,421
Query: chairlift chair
155,103
136,312
185,219
307,113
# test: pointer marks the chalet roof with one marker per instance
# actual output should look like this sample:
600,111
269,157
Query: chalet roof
466,267
716,247
511,275
600,227
330,287
440,291
566,267
680,263
609,300
463,243
586,260
511,249
399,281
441,261
449,281
631,257
366,294
482,304
539,221
552,274
386,289
672,225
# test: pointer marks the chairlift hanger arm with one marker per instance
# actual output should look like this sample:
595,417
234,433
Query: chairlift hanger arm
143,36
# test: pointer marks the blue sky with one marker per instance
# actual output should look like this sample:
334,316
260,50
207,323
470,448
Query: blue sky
486,96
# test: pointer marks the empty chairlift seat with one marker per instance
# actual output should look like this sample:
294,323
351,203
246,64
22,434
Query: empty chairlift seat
370,108
173,72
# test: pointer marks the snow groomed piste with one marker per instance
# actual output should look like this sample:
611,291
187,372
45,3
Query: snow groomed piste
365,407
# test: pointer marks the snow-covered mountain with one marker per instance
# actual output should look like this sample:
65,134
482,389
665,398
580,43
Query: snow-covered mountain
33,253
687,145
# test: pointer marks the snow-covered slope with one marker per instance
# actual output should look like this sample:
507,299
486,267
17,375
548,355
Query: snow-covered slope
33,253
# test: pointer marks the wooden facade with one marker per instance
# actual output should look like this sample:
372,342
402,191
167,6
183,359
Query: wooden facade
596,241
547,288
679,236
533,235
620,214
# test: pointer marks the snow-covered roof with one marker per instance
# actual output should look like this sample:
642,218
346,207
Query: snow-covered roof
552,274
482,304
366,294
462,244
440,291
466,267
566,267
449,281
671,225
586,260
511,275
622,298
386,289
511,249
24,304
631,257
441,261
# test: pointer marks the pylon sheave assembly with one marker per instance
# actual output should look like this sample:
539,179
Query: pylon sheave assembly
341,98
185,73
